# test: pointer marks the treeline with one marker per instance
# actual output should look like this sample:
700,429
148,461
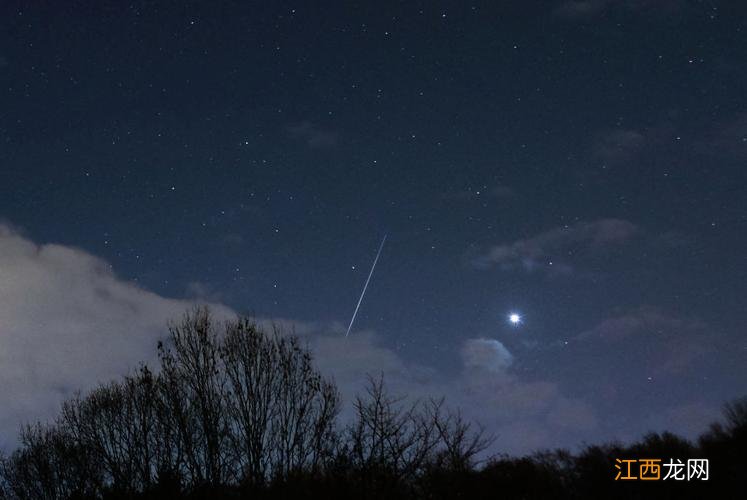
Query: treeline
232,410
235,411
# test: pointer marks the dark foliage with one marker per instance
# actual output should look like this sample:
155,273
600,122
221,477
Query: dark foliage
238,412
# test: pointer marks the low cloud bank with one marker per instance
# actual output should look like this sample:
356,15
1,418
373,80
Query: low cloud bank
67,323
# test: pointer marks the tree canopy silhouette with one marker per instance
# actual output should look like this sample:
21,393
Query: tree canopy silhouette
235,410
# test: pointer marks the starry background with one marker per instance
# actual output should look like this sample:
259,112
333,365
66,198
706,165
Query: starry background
580,163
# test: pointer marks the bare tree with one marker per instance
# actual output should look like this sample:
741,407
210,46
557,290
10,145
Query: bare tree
248,360
243,405
99,422
460,443
233,405
395,446
49,465
117,423
390,436
150,454
193,393
306,409
282,410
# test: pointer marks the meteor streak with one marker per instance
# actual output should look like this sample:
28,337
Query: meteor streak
366,285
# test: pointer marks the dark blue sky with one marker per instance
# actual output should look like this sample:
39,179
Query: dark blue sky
580,162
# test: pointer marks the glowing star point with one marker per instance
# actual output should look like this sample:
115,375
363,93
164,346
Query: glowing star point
514,318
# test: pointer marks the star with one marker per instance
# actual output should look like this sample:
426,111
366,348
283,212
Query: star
514,318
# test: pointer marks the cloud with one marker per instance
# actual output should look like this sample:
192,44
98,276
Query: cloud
552,246
727,139
484,389
67,322
619,146
524,415
647,369
487,354
577,9
313,135
589,9
670,344
202,292
669,143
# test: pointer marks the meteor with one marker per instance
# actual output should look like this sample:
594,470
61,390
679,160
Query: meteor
366,285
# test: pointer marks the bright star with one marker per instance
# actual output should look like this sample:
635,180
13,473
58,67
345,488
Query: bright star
514,318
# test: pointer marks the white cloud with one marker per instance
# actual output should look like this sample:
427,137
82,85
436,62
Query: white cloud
484,390
487,354
67,322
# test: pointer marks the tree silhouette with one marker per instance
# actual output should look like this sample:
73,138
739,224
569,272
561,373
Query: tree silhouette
235,410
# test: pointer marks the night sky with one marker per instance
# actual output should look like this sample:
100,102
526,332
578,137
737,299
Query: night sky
578,163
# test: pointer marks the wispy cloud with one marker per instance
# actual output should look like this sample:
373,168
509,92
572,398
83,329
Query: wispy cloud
576,9
587,9
549,250
313,135
727,138
671,342
619,146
